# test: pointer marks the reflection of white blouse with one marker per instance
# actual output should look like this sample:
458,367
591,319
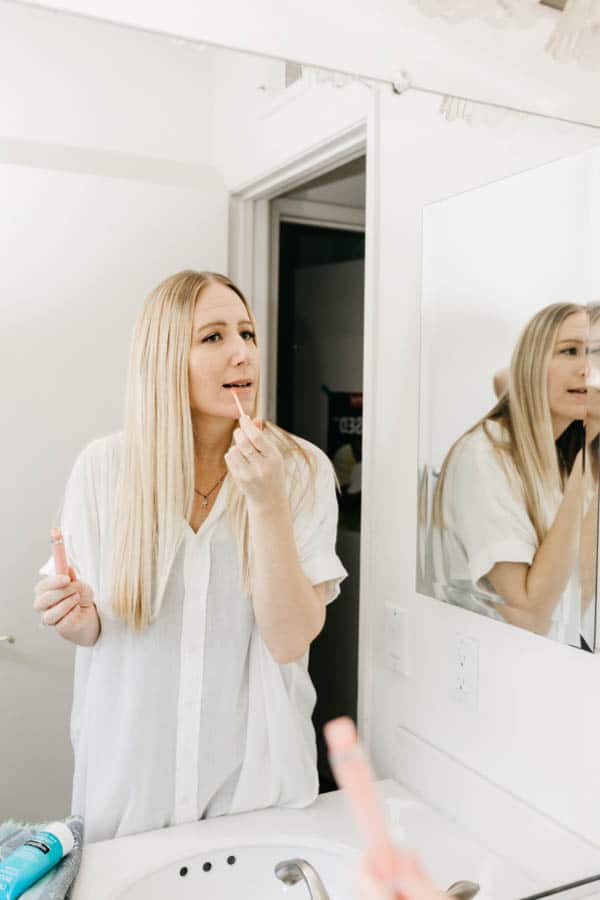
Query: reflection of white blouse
192,717
486,522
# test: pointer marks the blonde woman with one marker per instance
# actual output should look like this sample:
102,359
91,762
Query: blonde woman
203,556
508,506
416,884
589,534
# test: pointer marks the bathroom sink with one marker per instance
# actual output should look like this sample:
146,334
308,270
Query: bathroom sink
245,871
235,856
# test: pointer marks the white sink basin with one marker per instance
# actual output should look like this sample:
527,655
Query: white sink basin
245,871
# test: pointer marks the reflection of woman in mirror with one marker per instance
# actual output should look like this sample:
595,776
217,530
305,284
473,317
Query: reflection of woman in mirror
508,506
589,535
203,555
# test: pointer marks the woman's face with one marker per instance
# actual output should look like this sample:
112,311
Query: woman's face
223,353
593,381
567,372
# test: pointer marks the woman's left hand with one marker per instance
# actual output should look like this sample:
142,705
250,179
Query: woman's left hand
256,465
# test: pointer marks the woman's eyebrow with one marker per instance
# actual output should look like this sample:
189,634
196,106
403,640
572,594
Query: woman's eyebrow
223,324
573,341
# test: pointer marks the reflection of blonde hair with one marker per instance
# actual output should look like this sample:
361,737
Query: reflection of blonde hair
155,489
594,312
524,411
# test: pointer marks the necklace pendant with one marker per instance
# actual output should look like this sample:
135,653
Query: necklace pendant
205,501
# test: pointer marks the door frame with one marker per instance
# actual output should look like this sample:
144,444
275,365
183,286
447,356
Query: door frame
251,222
255,213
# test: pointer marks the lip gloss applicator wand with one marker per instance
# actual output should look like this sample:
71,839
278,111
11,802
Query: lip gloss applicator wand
61,565
237,400
258,422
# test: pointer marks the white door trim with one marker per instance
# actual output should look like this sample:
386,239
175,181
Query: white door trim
324,215
334,151
250,249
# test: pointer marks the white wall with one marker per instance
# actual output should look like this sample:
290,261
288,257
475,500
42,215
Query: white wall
535,734
72,83
474,59
274,127
105,191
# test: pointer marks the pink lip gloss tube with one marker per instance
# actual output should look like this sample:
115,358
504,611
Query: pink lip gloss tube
353,774
61,565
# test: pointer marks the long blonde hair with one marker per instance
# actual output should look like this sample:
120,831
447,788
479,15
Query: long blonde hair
155,486
524,411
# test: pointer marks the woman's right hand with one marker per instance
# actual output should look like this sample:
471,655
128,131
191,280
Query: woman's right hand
67,603
416,884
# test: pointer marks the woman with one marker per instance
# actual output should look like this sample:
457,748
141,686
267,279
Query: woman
416,884
508,506
588,558
203,556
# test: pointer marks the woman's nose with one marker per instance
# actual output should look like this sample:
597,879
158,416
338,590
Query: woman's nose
241,352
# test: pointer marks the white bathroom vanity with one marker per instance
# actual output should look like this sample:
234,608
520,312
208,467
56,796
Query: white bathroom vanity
235,856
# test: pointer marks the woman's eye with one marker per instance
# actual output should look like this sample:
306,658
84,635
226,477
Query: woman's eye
215,337
569,351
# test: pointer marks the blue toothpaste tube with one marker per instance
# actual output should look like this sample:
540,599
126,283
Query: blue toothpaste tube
26,865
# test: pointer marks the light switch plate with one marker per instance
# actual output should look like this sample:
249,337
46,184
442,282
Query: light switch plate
396,639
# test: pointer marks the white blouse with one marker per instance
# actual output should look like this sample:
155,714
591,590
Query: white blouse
192,717
486,522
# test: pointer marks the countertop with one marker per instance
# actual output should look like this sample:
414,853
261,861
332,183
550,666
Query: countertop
449,852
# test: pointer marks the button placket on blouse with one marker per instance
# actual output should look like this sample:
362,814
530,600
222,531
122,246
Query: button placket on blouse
196,580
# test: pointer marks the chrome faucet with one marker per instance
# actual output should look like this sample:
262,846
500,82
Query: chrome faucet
291,871
463,890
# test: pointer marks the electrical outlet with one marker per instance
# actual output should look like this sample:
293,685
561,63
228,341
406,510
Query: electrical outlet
465,675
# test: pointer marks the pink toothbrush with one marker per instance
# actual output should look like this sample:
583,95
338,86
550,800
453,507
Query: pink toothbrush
353,774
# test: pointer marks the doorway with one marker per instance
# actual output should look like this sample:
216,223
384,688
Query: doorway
319,377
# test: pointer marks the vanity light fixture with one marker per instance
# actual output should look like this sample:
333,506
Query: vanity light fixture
576,37
494,12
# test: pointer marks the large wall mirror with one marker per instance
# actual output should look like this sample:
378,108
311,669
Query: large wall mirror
508,462
123,158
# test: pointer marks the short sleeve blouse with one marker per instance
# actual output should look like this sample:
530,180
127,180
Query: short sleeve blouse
485,521
192,717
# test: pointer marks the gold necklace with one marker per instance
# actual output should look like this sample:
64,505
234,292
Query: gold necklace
206,496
